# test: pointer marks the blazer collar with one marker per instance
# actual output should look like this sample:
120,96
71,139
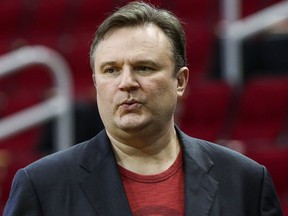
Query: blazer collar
200,187
103,186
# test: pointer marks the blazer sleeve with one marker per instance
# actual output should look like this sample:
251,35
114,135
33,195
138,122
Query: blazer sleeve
23,199
270,204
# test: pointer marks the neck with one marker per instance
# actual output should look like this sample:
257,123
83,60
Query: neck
150,156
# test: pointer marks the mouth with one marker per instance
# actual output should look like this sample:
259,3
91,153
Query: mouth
130,105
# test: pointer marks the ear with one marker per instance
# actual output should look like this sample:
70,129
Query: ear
182,80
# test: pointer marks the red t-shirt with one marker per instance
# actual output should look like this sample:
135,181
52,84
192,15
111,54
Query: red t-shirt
156,195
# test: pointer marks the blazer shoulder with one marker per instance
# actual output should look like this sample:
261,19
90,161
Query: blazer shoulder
86,155
59,159
221,156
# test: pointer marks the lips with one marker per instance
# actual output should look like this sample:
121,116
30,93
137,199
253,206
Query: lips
130,105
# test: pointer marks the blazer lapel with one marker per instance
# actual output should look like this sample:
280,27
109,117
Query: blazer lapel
200,188
104,190
103,185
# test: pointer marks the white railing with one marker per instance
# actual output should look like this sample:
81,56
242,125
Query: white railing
234,32
59,106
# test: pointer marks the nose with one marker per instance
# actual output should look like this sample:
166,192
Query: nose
128,80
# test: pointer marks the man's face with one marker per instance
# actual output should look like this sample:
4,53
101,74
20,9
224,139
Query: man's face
134,77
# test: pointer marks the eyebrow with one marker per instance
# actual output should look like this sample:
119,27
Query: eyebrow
135,63
147,62
107,63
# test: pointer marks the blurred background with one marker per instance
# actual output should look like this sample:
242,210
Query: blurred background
237,96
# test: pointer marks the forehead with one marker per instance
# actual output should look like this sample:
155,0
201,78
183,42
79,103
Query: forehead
135,40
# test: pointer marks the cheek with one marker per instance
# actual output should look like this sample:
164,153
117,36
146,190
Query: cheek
105,90
166,89
104,98
104,106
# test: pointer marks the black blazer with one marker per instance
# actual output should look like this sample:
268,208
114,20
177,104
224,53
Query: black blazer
84,181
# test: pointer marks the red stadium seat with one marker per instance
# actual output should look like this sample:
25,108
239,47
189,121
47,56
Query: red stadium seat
206,110
262,110
78,57
199,39
90,13
251,6
200,10
50,16
11,14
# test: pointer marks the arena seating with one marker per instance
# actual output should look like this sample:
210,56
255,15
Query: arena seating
206,109
249,7
254,114
262,110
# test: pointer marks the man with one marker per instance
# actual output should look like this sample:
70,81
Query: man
142,164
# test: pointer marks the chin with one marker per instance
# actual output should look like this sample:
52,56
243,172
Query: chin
133,127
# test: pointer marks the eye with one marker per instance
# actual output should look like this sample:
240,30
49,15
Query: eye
111,70
144,69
